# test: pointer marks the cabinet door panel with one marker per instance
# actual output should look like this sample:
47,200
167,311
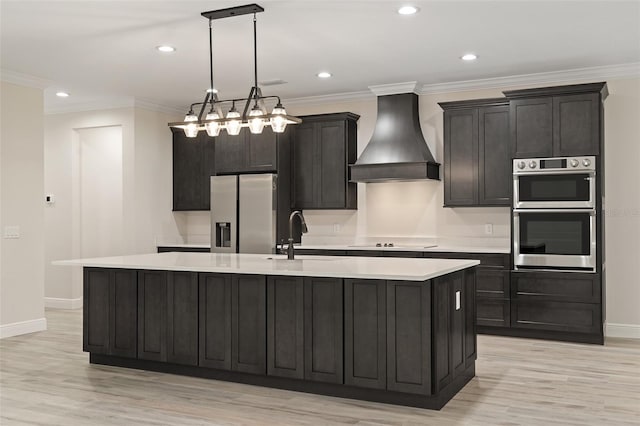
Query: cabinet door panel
260,151
443,335
215,321
409,337
304,159
187,172
333,172
470,333
458,323
249,324
576,125
461,157
492,283
124,307
493,312
152,315
229,153
323,324
182,325
494,176
556,316
365,333
96,310
285,305
531,127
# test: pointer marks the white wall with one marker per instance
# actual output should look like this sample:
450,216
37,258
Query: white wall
146,190
21,204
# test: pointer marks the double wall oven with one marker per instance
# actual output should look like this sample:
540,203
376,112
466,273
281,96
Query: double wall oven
554,213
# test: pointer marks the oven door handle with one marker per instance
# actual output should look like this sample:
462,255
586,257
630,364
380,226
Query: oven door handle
592,212
554,172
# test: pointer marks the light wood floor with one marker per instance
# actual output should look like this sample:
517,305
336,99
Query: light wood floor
46,379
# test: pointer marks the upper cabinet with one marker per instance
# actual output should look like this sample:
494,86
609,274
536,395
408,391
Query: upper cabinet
477,154
323,147
557,121
193,165
247,152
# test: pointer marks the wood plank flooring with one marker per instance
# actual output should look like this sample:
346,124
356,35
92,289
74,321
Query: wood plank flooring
46,379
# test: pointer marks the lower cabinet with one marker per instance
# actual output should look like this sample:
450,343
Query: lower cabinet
365,327
109,315
285,327
249,324
323,330
493,312
409,328
168,316
215,321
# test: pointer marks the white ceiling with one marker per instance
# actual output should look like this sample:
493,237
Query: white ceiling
98,49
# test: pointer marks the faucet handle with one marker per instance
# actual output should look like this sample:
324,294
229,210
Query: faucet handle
280,249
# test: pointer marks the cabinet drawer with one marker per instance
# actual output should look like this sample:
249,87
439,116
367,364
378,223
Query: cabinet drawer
556,316
493,312
486,259
556,286
492,283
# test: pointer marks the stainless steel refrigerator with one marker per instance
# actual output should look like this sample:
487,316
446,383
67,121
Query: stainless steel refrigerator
244,213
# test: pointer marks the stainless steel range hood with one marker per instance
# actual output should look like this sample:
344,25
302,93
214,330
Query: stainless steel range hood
397,150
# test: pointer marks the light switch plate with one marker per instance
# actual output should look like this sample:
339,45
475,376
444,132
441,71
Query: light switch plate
457,300
11,232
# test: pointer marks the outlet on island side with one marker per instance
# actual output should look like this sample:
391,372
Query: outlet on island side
336,228
488,228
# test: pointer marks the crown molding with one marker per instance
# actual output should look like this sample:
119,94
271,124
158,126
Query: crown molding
574,75
21,79
330,99
394,88
94,105
152,106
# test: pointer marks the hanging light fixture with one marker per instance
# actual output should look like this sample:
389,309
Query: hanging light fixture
233,121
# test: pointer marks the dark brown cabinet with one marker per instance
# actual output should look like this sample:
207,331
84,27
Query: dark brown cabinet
477,155
323,147
193,165
182,317
168,316
365,328
323,334
109,316
152,315
557,121
409,328
250,153
215,321
285,327
249,324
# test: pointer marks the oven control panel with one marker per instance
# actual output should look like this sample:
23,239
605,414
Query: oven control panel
559,164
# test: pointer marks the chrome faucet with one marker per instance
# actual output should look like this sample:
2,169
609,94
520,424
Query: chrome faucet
298,213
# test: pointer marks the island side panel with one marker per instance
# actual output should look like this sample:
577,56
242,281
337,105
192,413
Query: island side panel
249,324
182,316
215,321
123,340
95,327
152,315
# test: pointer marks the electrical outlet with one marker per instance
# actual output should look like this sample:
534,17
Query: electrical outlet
336,228
11,232
488,229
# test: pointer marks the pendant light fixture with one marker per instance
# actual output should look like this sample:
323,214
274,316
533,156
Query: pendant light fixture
233,121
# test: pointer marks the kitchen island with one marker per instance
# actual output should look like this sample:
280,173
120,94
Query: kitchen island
392,330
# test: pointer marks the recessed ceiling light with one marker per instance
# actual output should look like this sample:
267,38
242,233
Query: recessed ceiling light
408,10
469,57
324,74
166,49
62,94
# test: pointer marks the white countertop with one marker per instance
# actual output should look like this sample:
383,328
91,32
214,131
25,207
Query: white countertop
263,264
418,248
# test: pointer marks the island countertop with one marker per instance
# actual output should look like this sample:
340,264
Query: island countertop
404,269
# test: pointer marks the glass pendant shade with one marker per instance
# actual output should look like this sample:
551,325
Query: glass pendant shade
234,123
256,122
191,129
278,122
213,129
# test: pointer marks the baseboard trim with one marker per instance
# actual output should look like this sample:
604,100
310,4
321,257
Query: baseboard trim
23,327
629,331
58,303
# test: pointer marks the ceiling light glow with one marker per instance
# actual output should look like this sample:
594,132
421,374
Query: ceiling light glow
408,10
166,49
469,57
62,94
324,74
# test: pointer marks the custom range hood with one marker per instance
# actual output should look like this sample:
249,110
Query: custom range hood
397,150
